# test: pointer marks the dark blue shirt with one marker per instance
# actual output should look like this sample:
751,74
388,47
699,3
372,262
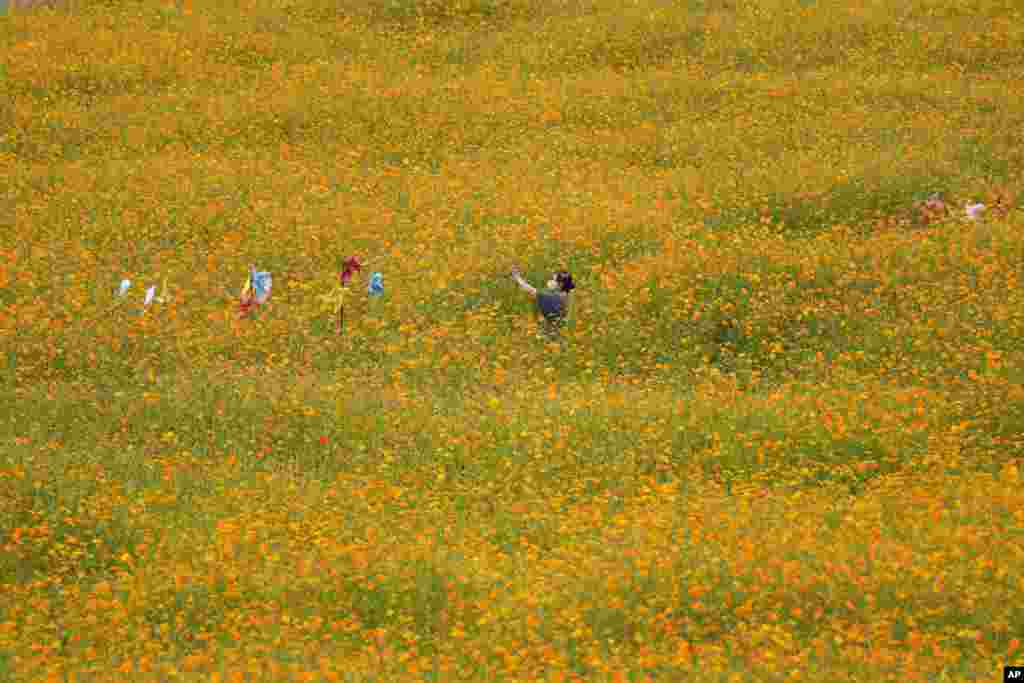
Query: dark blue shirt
552,305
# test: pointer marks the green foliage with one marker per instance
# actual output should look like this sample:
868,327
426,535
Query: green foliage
781,425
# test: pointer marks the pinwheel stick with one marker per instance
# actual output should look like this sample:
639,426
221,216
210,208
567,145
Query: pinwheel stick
342,295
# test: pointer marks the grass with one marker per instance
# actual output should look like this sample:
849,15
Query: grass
781,437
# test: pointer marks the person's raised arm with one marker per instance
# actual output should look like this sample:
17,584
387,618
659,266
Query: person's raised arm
523,284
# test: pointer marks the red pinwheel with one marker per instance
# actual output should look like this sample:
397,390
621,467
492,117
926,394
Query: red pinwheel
336,298
349,268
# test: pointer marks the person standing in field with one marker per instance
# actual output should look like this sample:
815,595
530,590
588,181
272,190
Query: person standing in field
553,302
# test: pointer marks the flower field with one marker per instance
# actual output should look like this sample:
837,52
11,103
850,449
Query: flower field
781,437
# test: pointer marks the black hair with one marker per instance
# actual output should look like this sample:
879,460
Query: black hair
564,281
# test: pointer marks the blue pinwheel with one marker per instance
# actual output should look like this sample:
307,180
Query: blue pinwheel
256,290
376,287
